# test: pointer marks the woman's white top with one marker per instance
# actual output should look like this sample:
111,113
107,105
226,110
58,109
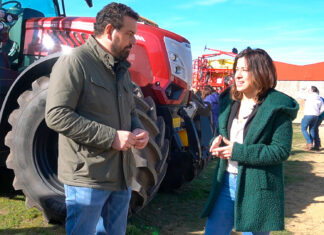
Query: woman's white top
237,130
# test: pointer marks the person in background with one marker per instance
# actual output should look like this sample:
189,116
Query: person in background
198,94
317,141
95,161
212,97
312,109
254,137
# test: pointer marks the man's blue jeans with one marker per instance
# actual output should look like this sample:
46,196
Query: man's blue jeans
309,122
94,211
317,141
221,220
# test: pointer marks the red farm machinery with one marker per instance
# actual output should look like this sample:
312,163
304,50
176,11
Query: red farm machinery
213,69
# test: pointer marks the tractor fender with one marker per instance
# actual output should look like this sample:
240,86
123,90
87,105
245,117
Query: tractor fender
22,83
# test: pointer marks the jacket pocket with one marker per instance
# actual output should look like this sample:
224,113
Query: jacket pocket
97,165
90,152
99,82
268,183
98,99
86,156
262,178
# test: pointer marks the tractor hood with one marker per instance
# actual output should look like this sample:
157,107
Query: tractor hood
166,55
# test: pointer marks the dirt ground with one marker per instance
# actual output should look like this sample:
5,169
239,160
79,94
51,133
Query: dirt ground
305,199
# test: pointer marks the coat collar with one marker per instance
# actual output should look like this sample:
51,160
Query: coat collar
225,104
274,102
104,56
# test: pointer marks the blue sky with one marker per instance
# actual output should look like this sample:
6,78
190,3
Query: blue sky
290,31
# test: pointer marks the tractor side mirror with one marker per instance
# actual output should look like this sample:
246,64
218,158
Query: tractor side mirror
89,2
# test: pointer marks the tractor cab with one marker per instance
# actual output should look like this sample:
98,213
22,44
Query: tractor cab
13,15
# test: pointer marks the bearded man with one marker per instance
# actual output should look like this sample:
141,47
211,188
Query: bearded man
90,104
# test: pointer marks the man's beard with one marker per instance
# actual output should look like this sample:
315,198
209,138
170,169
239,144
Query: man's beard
121,54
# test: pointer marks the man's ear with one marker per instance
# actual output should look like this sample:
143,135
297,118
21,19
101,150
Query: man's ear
109,29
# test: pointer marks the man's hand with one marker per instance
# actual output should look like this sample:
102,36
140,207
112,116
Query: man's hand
142,138
124,140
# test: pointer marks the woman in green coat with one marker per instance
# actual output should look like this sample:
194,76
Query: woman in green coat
255,136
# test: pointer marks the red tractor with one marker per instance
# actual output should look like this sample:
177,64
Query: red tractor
32,37
209,69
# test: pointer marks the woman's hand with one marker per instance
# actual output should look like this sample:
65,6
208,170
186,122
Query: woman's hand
216,143
222,152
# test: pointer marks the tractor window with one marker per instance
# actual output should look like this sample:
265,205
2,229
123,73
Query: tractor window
46,6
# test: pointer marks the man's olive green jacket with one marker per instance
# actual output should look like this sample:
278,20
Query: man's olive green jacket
87,103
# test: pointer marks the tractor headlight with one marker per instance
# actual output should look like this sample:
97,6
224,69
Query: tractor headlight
179,70
173,57
179,54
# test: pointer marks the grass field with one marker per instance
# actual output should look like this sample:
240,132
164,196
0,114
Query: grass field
176,213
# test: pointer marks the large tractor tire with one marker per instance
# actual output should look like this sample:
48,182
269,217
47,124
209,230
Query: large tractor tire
33,154
34,151
151,163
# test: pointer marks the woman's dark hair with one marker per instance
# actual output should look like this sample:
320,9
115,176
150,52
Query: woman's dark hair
262,73
113,13
208,89
314,89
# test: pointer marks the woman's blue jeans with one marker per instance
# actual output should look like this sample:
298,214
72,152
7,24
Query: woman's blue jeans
309,122
95,211
221,220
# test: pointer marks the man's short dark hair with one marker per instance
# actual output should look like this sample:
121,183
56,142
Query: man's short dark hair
208,90
314,89
113,13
